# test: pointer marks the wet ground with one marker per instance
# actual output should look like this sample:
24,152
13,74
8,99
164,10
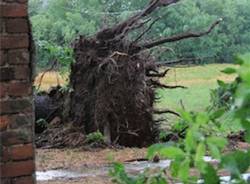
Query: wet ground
64,166
77,166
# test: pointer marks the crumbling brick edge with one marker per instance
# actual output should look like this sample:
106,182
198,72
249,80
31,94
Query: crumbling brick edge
17,155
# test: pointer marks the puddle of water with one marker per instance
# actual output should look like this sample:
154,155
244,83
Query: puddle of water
140,166
57,174
133,167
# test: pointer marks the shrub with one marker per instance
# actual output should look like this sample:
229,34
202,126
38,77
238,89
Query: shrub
40,125
95,137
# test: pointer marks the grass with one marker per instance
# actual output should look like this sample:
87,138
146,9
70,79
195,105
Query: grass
49,79
199,81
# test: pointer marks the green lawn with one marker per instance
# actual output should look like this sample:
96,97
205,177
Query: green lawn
199,80
195,98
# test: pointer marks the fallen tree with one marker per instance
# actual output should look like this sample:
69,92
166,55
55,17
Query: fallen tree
114,80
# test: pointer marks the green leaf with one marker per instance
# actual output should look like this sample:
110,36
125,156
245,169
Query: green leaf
229,70
217,114
118,167
215,152
175,166
172,152
202,118
210,176
247,136
220,142
221,83
186,116
156,148
183,172
200,153
236,162
190,143
153,150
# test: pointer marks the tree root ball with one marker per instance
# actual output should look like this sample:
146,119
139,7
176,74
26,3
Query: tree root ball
112,94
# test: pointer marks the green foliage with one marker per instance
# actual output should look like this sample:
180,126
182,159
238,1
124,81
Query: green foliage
223,95
242,94
58,57
164,135
189,153
95,137
61,21
40,125
236,163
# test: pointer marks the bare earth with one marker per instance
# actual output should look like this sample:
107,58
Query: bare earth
90,180
47,159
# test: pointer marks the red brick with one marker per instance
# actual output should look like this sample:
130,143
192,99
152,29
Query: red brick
6,74
16,121
22,152
13,10
15,89
3,58
23,180
15,106
3,89
21,120
18,89
17,26
16,137
6,181
22,1
22,72
4,154
4,122
20,56
2,25
14,41
14,169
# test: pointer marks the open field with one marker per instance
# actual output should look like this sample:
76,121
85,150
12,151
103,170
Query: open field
199,80
49,79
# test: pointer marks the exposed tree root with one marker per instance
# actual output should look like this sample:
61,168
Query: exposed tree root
114,83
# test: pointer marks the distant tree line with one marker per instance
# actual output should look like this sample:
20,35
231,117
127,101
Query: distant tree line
56,23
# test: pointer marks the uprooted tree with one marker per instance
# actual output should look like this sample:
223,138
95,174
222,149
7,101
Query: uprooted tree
114,80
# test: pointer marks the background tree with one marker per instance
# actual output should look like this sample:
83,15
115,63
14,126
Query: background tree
59,22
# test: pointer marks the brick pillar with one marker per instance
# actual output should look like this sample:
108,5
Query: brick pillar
16,103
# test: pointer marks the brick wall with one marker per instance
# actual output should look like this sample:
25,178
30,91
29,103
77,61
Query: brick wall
16,103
